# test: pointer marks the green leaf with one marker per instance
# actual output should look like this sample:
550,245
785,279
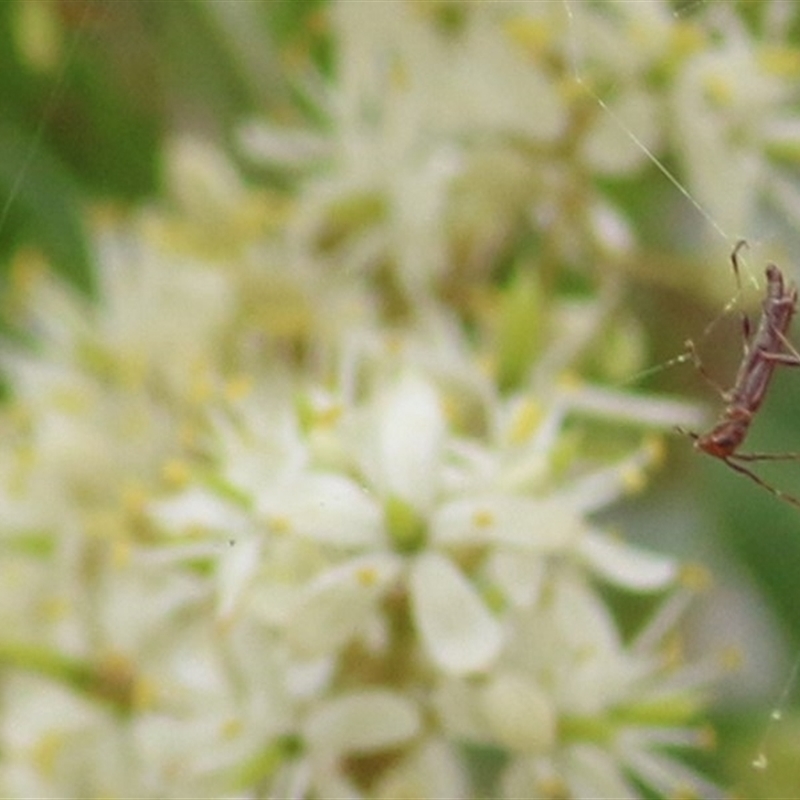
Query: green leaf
41,206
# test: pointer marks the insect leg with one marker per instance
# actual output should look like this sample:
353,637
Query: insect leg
746,327
735,261
763,484
783,359
765,456
792,358
700,367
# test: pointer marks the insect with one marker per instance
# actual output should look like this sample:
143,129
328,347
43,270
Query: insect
764,350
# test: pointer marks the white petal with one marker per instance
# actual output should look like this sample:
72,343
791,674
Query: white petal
429,773
407,441
518,713
627,566
535,525
336,606
195,510
282,146
236,567
519,575
459,632
328,508
593,772
362,722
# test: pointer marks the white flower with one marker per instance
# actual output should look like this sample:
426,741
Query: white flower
459,632
725,101
304,495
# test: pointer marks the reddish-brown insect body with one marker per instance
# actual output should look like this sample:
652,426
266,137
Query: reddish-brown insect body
767,348
762,354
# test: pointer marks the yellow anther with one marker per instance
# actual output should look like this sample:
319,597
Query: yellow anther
534,36
696,577
327,417
175,472
685,38
120,553
238,387
655,449
525,421
634,479
367,576
719,89
731,658
134,497
279,524
482,518
783,62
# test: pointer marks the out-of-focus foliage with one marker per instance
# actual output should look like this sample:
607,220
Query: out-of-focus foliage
89,88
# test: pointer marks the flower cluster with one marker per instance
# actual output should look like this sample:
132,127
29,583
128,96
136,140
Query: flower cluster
301,503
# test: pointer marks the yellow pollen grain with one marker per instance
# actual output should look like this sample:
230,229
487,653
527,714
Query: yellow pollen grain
393,343
327,417
673,652
175,472
38,35
634,479
27,458
571,90
279,524
685,38
46,751
485,365
641,35
569,382
201,387
224,623
482,518
144,695
719,89
685,793
134,498
238,388
731,658
188,435
534,36
526,420
553,787
450,408
121,553
27,270
655,449
783,62
55,609
101,523
695,577
19,415
399,75
131,370
71,402
232,728
367,576
196,531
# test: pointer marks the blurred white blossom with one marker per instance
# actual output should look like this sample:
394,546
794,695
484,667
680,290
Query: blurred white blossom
302,502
